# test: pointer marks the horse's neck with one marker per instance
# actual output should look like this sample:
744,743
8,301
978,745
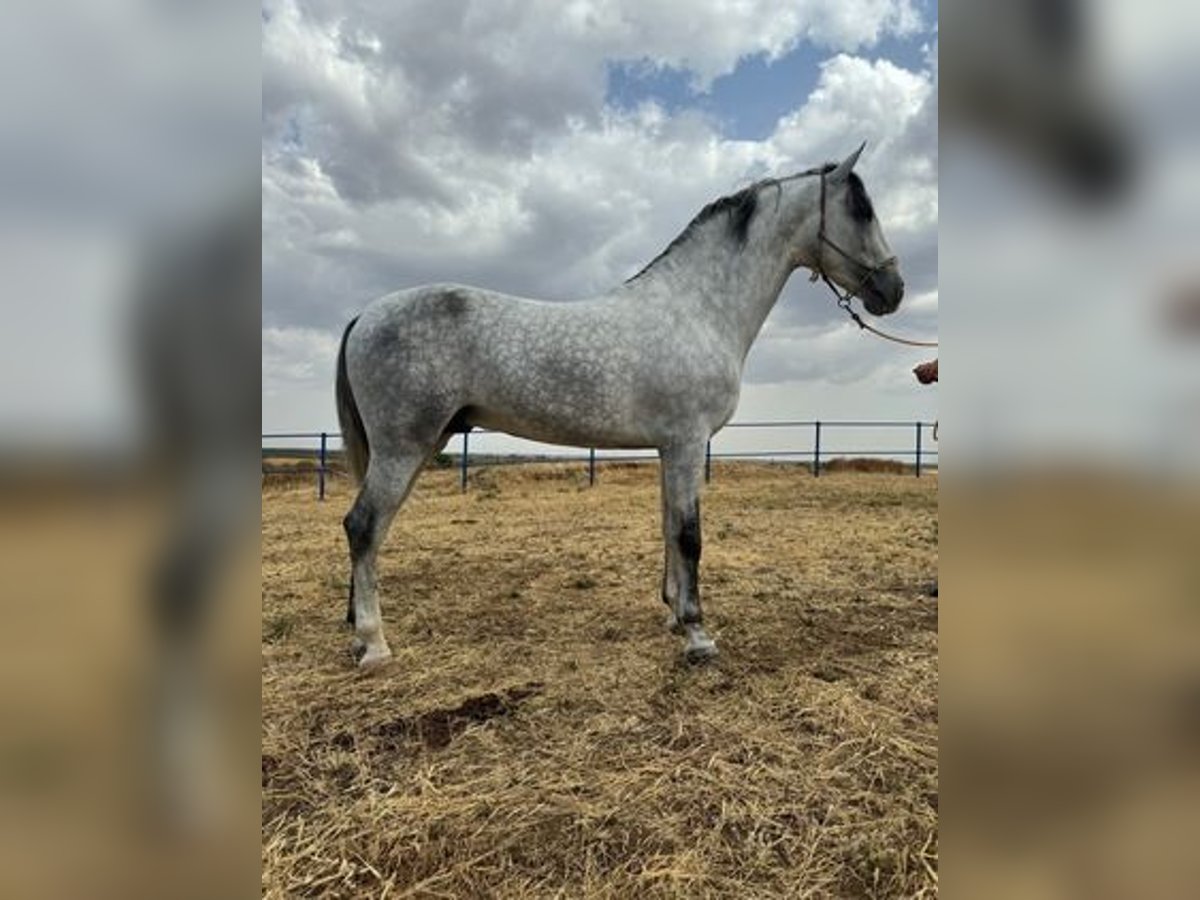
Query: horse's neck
709,275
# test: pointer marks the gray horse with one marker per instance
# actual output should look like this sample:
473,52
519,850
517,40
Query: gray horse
656,362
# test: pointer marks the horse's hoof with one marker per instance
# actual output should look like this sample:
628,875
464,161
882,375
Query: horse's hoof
700,650
370,657
374,658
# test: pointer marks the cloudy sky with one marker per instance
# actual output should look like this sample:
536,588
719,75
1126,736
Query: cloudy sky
550,148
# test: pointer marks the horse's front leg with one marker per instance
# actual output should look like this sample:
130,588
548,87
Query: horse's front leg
670,587
682,474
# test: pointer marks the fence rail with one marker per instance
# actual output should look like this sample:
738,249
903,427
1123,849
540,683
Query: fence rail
918,452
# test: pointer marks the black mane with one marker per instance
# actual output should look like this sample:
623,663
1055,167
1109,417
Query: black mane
740,207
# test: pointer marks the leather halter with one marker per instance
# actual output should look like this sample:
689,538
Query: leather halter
843,299
824,239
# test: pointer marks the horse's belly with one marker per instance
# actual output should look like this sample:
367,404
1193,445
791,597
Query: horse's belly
574,427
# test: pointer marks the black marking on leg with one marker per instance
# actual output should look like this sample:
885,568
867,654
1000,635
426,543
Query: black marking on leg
689,537
688,541
360,532
360,528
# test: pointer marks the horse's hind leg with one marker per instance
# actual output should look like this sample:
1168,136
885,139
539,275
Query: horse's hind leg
683,467
389,479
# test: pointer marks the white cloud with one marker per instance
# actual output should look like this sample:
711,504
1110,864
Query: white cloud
878,102
297,356
384,95
471,142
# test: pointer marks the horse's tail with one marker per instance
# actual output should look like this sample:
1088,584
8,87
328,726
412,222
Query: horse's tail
354,436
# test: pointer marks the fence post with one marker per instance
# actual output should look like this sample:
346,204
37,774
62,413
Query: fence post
918,465
817,450
708,461
321,467
591,466
463,474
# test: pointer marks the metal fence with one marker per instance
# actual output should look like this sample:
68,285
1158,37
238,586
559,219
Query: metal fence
919,451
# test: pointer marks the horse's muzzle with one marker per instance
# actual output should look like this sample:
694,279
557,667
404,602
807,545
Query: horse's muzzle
883,290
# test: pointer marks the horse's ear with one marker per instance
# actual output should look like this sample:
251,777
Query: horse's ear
842,172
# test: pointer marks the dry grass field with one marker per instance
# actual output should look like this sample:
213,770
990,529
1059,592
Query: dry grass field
537,735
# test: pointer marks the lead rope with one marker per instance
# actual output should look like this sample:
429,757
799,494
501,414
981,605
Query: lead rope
844,303
843,300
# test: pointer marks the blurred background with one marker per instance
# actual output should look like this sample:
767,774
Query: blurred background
129,289
1069,178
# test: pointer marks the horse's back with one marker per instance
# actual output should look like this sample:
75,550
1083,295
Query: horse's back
447,309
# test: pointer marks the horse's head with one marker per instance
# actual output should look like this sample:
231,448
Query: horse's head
853,251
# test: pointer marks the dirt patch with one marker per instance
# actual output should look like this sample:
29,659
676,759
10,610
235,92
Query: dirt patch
437,727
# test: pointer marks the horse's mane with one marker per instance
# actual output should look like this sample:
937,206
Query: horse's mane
740,207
